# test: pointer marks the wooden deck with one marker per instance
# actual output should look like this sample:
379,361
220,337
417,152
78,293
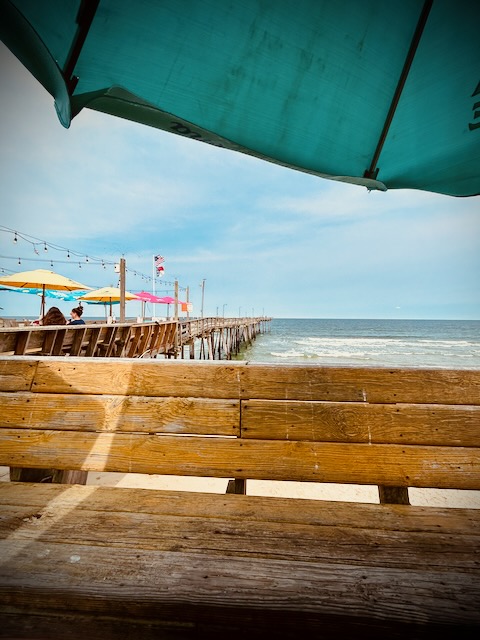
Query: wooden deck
111,563
207,338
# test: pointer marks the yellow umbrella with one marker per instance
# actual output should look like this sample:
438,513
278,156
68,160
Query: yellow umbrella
42,279
107,294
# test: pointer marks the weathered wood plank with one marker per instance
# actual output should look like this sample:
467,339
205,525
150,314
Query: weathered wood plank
16,374
379,464
8,341
107,341
138,377
78,338
93,338
41,498
429,424
151,347
211,532
367,384
63,339
75,626
120,413
173,585
21,344
49,342
239,380
214,624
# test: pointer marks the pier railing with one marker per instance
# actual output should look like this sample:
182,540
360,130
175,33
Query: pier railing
205,338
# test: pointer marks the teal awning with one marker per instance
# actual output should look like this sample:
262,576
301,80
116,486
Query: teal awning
384,93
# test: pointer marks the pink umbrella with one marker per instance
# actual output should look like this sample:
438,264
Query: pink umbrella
148,297
169,300
144,296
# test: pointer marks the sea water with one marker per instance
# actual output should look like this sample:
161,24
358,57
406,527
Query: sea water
408,343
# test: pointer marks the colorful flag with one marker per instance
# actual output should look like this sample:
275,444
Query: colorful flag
158,260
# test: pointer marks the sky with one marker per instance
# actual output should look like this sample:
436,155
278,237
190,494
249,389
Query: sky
263,239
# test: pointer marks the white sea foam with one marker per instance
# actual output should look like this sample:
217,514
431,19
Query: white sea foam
401,343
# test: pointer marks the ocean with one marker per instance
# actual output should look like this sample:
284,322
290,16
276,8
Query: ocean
407,343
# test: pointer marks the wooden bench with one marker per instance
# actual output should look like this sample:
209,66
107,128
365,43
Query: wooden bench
91,340
110,562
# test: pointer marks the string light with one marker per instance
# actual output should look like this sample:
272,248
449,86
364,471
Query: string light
91,260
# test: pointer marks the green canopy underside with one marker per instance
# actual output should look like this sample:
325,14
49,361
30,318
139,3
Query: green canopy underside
307,84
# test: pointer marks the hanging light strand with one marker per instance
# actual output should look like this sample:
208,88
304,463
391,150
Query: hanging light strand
37,243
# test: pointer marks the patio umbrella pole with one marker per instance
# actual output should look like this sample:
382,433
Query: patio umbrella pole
42,306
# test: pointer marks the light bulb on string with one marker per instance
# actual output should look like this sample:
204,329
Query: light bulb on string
19,261
45,247
68,253
15,239
79,265
86,259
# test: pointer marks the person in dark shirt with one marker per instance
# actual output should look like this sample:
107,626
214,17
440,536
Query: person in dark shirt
75,315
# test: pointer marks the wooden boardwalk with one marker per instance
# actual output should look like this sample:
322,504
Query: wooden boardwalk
207,338
218,338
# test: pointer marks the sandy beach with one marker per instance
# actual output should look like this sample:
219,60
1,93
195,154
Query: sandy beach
314,491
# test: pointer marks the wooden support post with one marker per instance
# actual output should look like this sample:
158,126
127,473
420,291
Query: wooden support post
122,289
211,349
56,476
393,495
238,486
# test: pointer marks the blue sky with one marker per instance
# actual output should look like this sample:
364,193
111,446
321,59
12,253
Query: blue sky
266,239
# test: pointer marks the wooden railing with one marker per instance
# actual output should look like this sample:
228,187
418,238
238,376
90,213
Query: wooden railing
218,337
106,340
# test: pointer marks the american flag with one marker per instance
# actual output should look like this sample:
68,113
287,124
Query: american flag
159,270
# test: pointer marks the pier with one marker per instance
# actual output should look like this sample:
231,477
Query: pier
218,338
204,339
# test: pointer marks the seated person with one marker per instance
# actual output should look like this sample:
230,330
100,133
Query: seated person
75,315
53,316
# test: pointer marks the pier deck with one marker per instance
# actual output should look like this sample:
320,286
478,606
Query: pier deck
206,338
